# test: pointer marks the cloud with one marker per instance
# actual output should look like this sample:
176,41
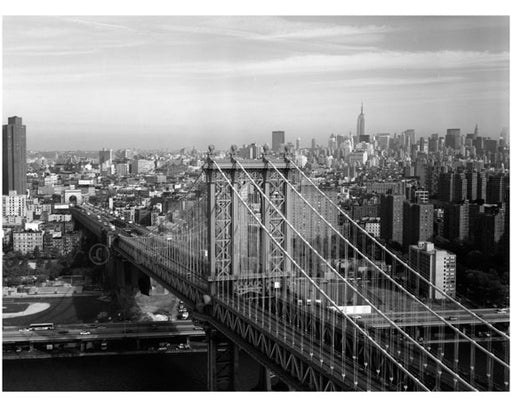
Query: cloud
400,62
268,28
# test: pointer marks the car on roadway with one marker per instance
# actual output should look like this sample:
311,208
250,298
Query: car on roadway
85,333
502,311
183,346
452,318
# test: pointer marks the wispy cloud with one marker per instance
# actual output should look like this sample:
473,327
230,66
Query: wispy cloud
315,63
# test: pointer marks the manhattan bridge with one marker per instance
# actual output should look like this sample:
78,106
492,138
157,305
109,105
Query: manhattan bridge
270,264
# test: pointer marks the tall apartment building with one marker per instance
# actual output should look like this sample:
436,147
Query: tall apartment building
391,217
14,156
495,188
490,228
472,184
481,186
456,221
452,187
436,266
418,224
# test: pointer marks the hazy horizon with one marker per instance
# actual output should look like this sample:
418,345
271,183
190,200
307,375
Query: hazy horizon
170,82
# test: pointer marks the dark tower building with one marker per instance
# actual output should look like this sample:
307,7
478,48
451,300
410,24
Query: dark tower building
445,187
495,189
14,156
456,221
391,217
453,139
278,141
418,223
452,187
360,123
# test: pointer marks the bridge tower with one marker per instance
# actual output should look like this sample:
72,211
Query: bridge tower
225,220
226,223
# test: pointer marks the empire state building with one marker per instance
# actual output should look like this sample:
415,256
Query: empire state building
360,123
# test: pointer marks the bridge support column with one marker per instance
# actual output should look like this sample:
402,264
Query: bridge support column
222,362
264,379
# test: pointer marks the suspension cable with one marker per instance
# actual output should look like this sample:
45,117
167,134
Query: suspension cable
403,263
485,351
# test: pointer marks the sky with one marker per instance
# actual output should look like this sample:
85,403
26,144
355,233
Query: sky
169,82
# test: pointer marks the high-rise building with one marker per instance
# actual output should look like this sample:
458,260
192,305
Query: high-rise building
445,187
360,123
452,187
495,189
453,139
418,224
472,181
490,228
105,156
456,221
436,266
391,217
278,141
433,143
14,156
410,136
481,186
459,187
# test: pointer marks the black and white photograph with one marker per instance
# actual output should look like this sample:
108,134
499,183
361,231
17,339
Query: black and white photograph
255,202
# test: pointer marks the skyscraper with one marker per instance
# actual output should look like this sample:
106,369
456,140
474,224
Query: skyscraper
14,156
277,141
453,138
360,123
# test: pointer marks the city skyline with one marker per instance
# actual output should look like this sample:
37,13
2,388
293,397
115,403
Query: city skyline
157,81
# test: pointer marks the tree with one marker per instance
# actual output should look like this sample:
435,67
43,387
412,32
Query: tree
37,253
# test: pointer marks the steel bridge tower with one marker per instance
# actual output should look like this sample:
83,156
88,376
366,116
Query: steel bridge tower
224,228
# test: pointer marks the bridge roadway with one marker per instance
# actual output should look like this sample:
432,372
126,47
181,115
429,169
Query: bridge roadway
424,318
110,331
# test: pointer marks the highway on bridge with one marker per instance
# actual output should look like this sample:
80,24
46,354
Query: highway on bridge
424,318
64,333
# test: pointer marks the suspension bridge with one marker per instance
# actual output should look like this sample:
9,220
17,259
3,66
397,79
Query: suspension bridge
271,265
